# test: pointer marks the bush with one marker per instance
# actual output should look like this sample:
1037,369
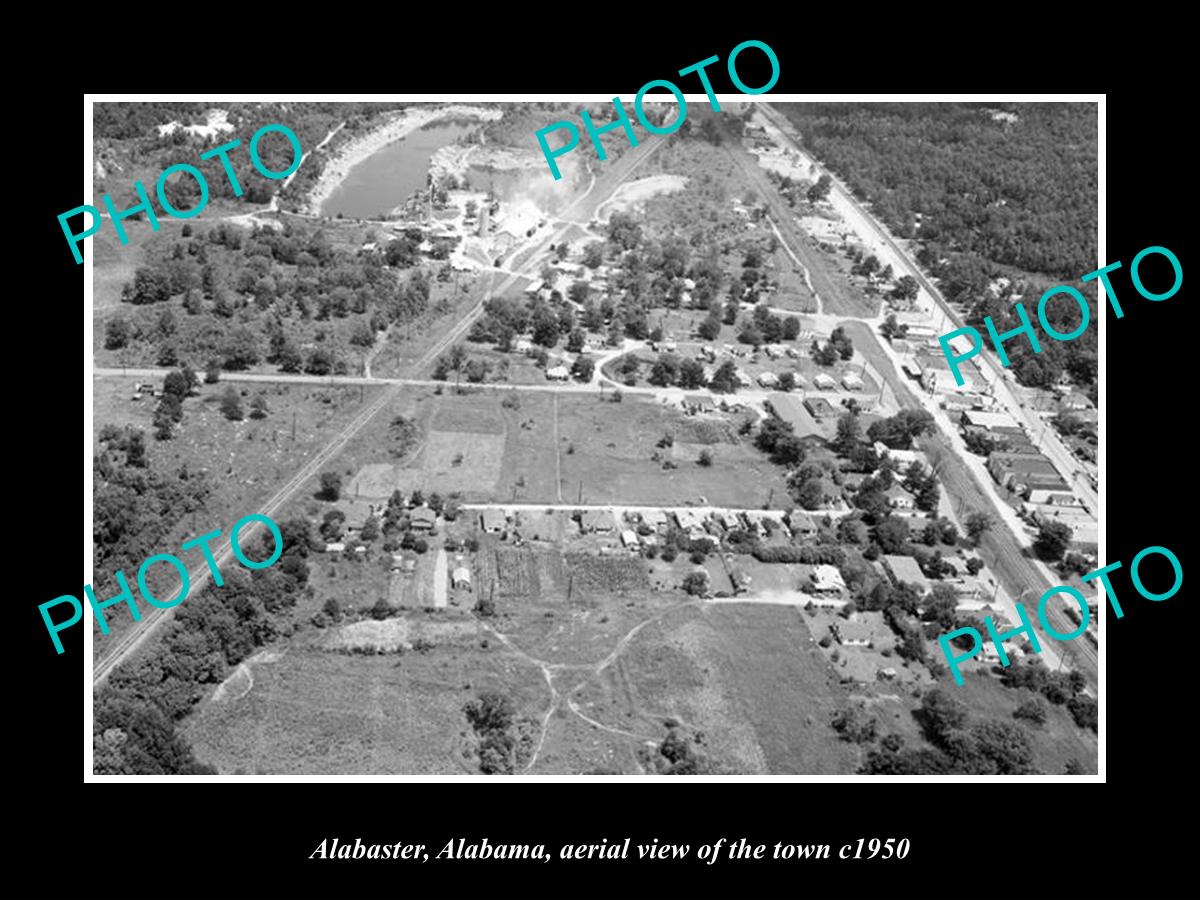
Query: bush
1085,712
669,553
854,725
698,557
1032,711
420,545
827,555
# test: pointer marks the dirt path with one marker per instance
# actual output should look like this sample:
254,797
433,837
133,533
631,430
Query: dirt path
549,670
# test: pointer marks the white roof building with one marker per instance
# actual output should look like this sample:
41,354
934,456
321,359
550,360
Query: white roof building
827,579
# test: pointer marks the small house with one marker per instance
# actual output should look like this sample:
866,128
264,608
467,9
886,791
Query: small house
335,547
768,380
558,373
422,519
600,521
824,382
460,578
802,524
492,521
852,381
629,539
826,579
899,498
904,570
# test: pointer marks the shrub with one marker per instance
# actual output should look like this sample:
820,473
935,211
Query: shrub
1032,711
827,555
669,553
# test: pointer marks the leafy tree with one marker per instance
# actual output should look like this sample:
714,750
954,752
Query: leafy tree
231,405
331,486
665,371
176,384
583,368
826,355
691,374
977,523
117,333
624,231
593,254
899,430
853,724
842,343
705,459
724,380
940,716
849,434
892,534
710,328
239,350
258,407
1033,710
790,330
149,285
820,189
1085,711
333,609
381,610
787,381
370,530
696,583
1052,540
906,288
575,341
892,329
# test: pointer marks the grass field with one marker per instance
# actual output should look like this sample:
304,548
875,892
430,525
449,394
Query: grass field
612,447
748,677
317,712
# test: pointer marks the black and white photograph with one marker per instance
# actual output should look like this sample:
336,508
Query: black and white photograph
491,438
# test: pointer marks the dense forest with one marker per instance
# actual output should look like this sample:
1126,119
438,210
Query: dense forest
1005,191
239,297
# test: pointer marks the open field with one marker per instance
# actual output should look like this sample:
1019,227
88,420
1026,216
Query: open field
612,448
507,453
747,676
316,712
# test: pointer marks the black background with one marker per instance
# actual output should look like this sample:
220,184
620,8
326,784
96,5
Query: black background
964,834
